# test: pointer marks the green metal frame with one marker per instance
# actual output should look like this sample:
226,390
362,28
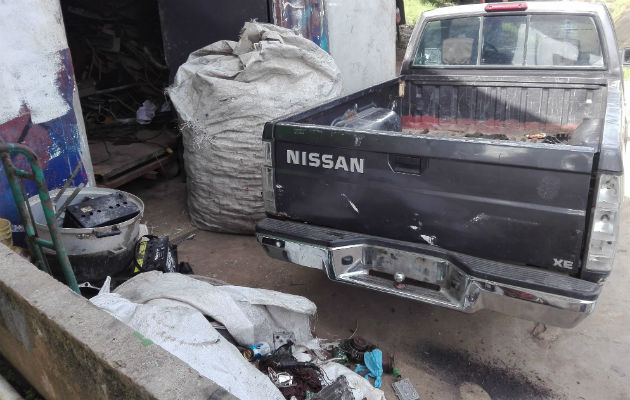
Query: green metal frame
15,176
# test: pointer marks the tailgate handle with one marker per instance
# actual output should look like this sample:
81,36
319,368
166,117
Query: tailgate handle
407,164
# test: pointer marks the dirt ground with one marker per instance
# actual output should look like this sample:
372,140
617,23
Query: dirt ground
446,354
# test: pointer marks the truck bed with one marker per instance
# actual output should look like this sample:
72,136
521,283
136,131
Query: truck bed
484,166
477,108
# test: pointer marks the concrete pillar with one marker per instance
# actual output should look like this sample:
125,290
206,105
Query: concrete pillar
39,102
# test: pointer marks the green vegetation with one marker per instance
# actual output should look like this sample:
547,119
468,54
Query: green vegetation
413,8
616,7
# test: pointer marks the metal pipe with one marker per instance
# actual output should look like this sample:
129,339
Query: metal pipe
65,204
44,243
68,182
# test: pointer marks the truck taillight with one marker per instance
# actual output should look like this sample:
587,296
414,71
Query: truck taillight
602,242
509,6
269,197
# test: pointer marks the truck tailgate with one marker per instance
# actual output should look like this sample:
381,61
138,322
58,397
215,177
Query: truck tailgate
523,204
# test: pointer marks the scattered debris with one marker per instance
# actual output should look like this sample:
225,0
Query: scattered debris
255,351
146,112
209,327
361,388
88,285
307,377
282,338
373,366
338,390
280,379
405,390
155,254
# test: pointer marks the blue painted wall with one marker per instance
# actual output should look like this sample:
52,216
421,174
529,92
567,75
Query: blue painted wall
59,142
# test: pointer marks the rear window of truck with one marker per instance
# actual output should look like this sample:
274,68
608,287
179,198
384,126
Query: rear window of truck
511,40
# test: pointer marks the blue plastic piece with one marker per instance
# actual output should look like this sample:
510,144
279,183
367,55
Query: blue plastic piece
374,362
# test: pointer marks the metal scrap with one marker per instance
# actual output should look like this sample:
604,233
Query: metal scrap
338,390
282,338
405,390
280,379
74,194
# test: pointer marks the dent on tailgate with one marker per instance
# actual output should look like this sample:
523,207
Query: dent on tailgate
491,200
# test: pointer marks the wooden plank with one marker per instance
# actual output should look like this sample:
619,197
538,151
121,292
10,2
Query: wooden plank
138,171
111,158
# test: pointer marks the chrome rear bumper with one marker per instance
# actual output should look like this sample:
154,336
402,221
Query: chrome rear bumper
432,275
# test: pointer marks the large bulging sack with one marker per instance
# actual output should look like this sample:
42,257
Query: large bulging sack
223,95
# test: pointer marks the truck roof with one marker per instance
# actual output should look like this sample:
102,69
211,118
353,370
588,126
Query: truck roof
532,6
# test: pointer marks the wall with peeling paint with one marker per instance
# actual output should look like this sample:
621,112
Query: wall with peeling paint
39,104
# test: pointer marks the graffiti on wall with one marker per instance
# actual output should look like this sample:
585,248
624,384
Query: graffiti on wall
37,86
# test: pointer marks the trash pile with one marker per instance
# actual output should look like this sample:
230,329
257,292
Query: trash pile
255,343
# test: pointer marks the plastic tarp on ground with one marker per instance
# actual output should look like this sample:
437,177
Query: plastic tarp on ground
171,309
223,95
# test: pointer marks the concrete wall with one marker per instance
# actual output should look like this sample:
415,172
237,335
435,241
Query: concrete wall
39,104
362,36
69,349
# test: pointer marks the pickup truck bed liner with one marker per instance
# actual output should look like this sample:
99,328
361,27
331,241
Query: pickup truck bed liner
531,112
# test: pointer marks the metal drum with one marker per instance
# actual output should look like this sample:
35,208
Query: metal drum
97,252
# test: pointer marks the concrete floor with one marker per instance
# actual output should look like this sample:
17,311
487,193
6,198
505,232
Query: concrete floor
446,354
